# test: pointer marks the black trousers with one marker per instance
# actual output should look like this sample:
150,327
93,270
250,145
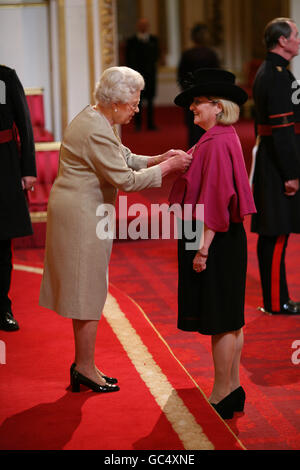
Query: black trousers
271,258
150,114
5,274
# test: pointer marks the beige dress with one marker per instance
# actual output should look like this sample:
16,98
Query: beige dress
93,166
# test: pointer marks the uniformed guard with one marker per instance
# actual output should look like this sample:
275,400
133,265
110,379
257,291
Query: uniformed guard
17,175
277,170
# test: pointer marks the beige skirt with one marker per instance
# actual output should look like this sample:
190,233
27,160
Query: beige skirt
75,279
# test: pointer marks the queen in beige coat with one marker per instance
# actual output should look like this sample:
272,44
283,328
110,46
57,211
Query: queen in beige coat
93,166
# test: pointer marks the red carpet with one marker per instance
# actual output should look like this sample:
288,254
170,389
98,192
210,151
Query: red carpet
158,407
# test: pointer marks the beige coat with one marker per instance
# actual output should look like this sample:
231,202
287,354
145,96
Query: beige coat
93,166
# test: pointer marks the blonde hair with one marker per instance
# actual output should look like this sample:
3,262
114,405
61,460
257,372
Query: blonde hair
230,111
117,85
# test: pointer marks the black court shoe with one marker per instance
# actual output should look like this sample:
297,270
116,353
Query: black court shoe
8,322
291,308
239,397
226,407
109,380
78,379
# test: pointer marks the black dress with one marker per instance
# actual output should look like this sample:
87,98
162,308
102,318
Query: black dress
212,302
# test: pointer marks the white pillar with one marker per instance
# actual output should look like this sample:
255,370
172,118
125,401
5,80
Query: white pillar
24,43
173,33
78,88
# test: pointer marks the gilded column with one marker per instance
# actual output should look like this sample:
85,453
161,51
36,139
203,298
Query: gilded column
107,23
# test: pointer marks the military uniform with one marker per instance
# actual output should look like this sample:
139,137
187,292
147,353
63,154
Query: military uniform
17,159
277,118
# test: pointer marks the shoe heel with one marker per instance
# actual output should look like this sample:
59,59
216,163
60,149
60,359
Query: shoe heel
78,379
240,398
239,407
75,384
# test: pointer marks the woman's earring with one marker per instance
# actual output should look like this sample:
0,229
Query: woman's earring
116,110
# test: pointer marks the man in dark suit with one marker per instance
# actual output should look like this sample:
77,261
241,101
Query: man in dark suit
277,167
200,55
142,54
17,175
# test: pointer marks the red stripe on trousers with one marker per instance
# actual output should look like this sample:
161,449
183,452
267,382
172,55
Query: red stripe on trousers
275,275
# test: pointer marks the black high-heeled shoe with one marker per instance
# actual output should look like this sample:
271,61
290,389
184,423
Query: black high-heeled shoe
78,379
239,396
225,407
109,380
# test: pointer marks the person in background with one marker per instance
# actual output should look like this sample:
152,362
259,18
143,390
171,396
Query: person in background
142,54
212,275
17,175
200,55
94,164
277,165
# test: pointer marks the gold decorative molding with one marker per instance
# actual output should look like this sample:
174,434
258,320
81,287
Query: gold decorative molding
47,146
107,21
38,217
33,91
24,4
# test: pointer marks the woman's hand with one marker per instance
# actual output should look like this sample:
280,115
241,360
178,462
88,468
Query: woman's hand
171,161
169,154
179,162
165,156
199,261
157,159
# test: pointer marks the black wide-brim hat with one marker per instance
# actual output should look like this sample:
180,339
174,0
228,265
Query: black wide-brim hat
211,82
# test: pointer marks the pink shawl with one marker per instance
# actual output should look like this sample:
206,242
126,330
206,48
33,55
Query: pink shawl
216,178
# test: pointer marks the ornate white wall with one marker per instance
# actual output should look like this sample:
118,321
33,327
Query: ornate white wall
61,46
25,47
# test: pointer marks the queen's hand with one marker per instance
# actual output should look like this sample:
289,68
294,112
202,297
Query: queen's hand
171,153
